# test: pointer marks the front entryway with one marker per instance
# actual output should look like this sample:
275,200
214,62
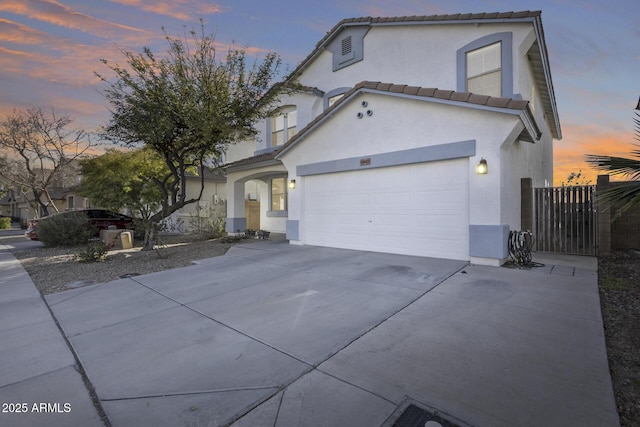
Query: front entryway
252,212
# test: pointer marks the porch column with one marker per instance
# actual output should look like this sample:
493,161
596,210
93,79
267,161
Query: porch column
236,219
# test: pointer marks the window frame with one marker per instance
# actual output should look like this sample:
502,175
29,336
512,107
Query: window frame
284,111
506,61
333,93
280,212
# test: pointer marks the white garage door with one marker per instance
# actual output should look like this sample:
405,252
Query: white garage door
420,209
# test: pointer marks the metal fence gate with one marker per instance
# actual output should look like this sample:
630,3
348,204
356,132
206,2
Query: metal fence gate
566,220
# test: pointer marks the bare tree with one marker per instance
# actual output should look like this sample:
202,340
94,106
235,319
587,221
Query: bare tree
36,149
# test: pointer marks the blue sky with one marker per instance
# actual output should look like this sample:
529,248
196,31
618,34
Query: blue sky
50,49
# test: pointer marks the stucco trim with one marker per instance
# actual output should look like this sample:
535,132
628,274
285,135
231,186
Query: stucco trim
235,224
489,241
293,229
453,150
277,214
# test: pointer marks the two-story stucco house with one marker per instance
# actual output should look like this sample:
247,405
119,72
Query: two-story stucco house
412,137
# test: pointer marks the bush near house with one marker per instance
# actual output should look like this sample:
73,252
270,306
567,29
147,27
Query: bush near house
70,229
5,223
93,252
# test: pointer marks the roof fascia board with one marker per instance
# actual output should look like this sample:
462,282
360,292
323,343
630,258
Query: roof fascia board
542,45
456,21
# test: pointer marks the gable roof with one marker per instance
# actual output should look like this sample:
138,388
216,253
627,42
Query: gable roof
464,99
456,18
538,55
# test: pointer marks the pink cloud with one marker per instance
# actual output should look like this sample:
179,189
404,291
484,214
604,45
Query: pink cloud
184,10
55,13
13,32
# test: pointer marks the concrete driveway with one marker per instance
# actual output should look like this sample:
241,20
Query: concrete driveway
278,335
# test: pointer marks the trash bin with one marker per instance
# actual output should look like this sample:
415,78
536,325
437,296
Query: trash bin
126,240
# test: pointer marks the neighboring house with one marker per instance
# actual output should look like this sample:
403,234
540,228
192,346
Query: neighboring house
381,151
16,203
61,195
65,197
210,206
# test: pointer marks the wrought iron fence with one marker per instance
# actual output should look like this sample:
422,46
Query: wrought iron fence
566,220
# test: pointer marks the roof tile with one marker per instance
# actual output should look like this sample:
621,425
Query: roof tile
460,96
498,102
411,90
518,104
478,99
397,88
426,91
252,160
443,94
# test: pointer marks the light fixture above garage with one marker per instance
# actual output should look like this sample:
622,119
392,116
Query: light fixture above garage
292,184
482,167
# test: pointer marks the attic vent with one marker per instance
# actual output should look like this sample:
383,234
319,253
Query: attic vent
346,46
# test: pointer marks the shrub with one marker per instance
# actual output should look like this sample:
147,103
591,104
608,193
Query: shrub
66,229
208,222
93,252
5,223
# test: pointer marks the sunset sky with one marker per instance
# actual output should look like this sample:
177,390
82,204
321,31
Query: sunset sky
49,51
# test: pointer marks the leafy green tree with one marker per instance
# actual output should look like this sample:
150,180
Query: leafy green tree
188,106
626,196
126,179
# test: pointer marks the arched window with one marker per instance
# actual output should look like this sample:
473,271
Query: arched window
334,96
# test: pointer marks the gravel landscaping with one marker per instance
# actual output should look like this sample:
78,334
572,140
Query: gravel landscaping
57,269
619,281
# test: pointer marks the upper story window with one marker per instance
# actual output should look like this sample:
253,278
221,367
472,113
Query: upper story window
485,66
484,70
283,125
334,96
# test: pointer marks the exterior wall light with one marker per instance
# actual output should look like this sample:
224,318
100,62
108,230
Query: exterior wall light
482,168
292,184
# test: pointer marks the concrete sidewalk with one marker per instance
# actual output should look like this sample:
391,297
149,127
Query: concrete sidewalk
39,380
278,335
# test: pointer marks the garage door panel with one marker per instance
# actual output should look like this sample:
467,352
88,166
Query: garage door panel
417,210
